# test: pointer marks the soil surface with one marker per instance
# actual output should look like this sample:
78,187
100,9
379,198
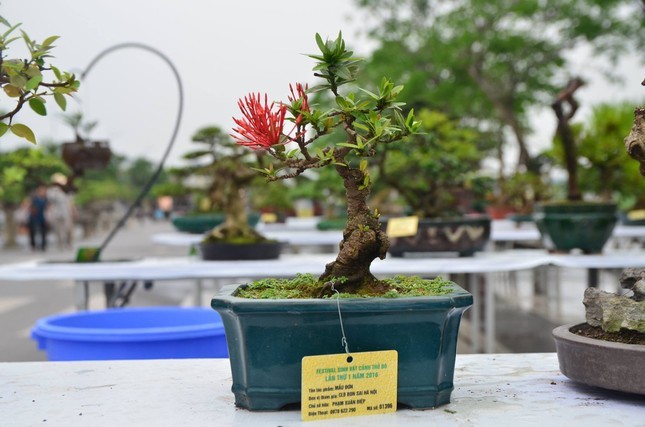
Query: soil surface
624,336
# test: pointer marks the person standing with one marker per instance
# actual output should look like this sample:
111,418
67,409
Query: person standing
60,211
36,221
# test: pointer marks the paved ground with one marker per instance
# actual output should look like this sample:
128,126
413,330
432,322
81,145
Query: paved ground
524,318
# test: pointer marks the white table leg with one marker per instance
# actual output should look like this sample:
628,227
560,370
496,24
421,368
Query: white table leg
473,285
489,306
81,295
199,290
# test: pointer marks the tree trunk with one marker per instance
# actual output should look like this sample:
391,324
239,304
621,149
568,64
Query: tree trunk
363,240
10,227
571,159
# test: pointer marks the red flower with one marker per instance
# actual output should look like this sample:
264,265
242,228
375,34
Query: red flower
261,126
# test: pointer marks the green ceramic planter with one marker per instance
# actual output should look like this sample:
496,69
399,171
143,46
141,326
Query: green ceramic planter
201,223
267,340
569,225
463,236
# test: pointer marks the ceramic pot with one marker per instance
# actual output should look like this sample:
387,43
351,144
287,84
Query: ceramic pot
599,363
267,340
575,225
463,236
201,223
222,251
82,155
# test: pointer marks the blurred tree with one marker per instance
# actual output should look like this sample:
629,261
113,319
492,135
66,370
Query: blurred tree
492,61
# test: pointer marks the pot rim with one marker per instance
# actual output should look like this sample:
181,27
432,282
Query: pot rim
564,333
457,299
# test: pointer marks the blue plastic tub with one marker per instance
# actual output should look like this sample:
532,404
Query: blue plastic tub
132,333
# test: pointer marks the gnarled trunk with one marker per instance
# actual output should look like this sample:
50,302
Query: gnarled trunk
363,240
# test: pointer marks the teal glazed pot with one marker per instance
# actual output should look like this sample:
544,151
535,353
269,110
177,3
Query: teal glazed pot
267,340
576,225
201,223
463,236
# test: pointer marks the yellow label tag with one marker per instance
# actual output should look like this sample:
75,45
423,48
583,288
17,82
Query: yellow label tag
636,215
268,218
402,227
338,385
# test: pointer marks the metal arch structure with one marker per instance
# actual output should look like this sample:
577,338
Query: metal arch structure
155,175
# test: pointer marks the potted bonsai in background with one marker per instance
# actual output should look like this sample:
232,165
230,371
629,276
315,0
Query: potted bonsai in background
574,223
267,338
84,153
440,163
205,175
230,174
608,350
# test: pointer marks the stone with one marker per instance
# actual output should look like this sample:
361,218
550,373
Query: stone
613,312
634,280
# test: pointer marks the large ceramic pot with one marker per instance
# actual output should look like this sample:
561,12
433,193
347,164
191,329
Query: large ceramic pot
599,363
463,236
223,251
267,340
575,225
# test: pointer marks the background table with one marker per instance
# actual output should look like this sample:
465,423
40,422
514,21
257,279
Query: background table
156,269
490,390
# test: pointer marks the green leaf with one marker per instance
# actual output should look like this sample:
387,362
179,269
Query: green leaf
345,144
57,73
60,100
3,128
33,83
11,91
49,40
320,43
23,131
18,81
38,106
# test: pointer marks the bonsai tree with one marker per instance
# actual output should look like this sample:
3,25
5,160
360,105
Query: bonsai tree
445,158
29,80
565,134
604,171
369,119
227,166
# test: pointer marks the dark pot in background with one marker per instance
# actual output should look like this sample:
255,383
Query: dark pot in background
267,340
81,155
599,363
463,236
222,251
575,225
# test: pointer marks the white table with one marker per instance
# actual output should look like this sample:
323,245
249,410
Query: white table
156,269
490,390
292,237
286,266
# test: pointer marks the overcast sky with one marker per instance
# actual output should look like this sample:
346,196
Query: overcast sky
222,49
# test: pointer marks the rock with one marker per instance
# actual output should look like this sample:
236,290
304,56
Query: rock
612,312
634,280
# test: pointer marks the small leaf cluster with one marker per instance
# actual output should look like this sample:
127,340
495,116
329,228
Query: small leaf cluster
24,81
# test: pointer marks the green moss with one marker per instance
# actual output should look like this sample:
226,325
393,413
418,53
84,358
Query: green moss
308,286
